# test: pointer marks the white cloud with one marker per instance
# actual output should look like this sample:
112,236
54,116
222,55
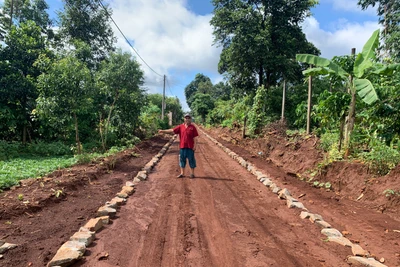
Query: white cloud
350,6
168,36
342,39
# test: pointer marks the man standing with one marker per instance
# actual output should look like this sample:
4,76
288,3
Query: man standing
187,135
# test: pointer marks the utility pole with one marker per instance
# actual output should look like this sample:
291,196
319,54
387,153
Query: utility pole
163,101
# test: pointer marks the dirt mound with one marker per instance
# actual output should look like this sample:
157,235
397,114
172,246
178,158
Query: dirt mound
42,214
300,157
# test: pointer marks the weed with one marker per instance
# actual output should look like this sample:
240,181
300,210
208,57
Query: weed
381,158
84,158
57,193
328,139
391,193
20,197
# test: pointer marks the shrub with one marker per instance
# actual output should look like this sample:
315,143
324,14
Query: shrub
381,158
328,139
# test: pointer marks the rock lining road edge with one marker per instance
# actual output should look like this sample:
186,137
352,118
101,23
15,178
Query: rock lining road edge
360,256
74,249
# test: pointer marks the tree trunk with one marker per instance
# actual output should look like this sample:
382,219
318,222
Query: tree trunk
244,127
24,134
78,142
341,130
260,76
101,130
283,101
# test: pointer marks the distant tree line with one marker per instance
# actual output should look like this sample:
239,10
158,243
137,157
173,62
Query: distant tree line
71,84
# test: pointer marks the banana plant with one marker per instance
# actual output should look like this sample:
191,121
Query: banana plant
357,81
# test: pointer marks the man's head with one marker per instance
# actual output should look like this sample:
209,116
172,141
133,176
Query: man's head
188,118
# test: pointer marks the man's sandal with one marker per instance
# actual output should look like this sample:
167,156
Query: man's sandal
192,176
179,176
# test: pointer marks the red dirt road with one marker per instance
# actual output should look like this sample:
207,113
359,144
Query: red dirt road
223,217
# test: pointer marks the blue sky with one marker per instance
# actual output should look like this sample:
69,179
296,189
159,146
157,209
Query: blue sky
174,36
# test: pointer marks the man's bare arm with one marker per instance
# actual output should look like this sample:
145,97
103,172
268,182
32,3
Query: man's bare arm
169,131
195,143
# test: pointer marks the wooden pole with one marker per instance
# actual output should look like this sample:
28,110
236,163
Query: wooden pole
309,103
283,101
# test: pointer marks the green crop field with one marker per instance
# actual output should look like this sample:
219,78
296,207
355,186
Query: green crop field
14,170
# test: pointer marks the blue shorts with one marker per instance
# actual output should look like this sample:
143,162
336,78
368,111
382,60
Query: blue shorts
187,153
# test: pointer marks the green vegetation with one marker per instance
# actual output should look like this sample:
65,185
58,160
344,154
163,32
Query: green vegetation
355,99
68,96
15,170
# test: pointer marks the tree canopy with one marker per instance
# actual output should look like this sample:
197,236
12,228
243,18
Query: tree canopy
259,40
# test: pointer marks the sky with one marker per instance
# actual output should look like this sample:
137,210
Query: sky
175,38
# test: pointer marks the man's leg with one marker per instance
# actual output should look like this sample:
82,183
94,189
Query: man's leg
192,162
182,162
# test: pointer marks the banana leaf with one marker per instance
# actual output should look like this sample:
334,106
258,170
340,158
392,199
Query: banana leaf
364,59
365,90
322,62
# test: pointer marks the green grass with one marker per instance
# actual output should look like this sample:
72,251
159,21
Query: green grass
24,167
14,170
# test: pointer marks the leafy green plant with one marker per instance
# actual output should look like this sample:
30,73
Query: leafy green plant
12,171
391,193
328,139
84,158
381,158
357,78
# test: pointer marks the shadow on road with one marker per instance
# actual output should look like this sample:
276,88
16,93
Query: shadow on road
212,178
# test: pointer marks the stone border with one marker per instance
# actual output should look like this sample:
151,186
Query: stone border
74,249
360,256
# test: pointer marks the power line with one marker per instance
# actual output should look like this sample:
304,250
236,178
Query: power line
126,39
169,87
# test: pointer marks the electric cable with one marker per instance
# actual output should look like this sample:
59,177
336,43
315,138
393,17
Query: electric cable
126,39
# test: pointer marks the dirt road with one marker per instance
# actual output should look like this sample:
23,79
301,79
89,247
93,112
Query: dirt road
223,217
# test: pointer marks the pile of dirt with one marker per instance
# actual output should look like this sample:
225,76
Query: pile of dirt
300,156
41,214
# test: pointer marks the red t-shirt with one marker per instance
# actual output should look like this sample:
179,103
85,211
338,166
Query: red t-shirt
186,134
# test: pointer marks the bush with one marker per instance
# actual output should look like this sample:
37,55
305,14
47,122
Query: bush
381,158
15,149
328,139
48,149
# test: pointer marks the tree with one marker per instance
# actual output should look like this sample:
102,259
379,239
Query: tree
193,87
172,104
202,104
24,10
89,22
260,39
23,45
357,80
65,91
221,91
257,114
119,77
389,18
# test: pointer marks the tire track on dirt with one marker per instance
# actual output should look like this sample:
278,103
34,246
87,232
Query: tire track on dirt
266,241
223,217
291,260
